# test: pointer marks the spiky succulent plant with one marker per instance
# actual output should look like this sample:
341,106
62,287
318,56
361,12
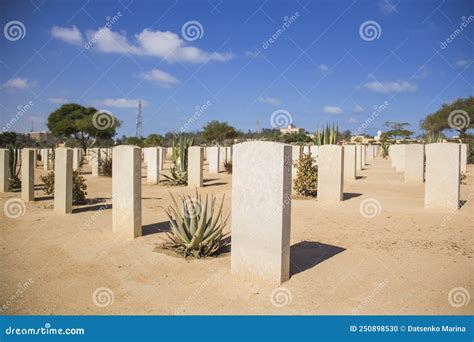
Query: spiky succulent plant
196,227
179,171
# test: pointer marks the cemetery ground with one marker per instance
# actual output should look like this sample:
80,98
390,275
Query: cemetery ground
402,261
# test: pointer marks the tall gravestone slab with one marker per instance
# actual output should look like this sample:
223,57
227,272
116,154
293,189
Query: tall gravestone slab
127,191
370,153
261,211
76,161
400,158
414,163
359,158
330,174
153,165
222,157
213,157
442,185
95,160
350,160
4,170
195,166
63,180
464,148
28,174
162,157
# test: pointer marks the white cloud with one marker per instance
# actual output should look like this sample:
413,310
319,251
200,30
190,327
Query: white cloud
323,68
120,103
390,87
387,7
17,83
166,45
160,77
352,120
462,63
70,35
332,110
359,109
57,100
273,101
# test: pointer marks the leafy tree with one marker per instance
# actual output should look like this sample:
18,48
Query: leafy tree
153,140
397,130
216,131
134,141
440,120
8,138
346,135
295,137
78,122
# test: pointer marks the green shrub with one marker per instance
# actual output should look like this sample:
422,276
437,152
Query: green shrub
79,186
306,180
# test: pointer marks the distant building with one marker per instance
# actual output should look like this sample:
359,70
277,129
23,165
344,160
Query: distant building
377,137
292,129
41,137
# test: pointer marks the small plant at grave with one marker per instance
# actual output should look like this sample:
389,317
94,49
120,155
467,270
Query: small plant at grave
196,227
105,167
79,186
179,170
385,148
306,181
434,138
228,166
14,167
327,136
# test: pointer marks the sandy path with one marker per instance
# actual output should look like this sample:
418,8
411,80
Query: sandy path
403,261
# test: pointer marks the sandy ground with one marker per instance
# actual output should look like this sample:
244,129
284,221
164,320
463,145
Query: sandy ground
406,260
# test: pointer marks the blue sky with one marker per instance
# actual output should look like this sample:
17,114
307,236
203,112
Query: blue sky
321,67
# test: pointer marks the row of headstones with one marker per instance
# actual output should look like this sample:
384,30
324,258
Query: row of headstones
46,157
261,195
439,165
154,159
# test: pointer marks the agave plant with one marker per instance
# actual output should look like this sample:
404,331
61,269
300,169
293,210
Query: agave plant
327,136
179,171
434,138
196,227
14,166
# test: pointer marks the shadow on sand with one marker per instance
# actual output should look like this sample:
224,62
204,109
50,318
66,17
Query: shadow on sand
307,254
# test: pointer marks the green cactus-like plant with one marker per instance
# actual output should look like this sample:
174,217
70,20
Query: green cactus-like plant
14,166
434,138
179,171
385,148
196,227
327,136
